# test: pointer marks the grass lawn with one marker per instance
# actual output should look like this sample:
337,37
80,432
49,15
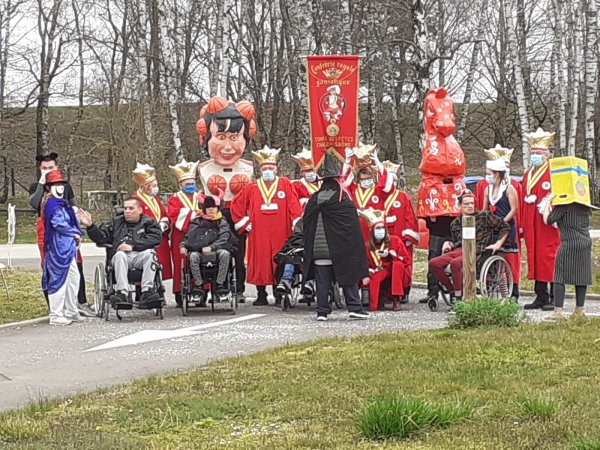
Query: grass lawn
26,298
535,386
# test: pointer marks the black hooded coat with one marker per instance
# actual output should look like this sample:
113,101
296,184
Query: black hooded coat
343,234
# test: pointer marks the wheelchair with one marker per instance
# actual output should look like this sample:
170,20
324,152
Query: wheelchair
209,266
294,295
104,287
494,280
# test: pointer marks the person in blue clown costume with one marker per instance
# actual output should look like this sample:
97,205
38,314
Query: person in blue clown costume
62,235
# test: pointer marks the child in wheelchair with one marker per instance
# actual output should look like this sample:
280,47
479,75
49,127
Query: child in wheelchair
209,237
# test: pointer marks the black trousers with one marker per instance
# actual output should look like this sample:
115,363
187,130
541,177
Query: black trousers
542,294
435,249
81,295
325,276
238,255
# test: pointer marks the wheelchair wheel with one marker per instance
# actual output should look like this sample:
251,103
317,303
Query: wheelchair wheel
99,289
433,304
185,291
335,297
495,279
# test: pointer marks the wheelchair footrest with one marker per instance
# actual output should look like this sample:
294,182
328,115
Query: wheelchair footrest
123,306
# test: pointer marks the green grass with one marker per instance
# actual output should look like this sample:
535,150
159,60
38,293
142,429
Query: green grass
587,444
311,395
26,298
481,312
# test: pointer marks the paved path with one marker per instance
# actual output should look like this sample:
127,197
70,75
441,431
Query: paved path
43,361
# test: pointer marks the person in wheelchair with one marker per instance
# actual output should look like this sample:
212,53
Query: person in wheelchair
208,233
134,237
487,224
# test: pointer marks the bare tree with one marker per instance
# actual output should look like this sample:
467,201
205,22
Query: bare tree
591,81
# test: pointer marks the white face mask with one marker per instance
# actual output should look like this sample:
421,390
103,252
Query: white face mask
268,175
57,191
311,177
366,184
379,234
154,191
489,179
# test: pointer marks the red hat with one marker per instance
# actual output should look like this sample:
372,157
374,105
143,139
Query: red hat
55,176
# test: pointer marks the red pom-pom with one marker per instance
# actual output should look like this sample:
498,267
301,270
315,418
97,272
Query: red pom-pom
252,129
203,111
246,109
441,93
238,182
216,182
217,104
201,128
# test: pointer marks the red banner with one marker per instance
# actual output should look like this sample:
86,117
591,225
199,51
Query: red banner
333,83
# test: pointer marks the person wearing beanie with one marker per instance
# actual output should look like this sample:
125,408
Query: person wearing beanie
208,233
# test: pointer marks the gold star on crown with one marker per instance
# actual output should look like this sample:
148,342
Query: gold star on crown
540,139
363,153
304,160
144,174
185,170
372,216
499,152
267,155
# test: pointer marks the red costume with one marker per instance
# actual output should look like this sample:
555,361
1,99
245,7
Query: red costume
305,189
182,209
270,210
396,265
153,207
443,161
541,240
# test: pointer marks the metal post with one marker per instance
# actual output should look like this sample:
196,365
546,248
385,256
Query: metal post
469,258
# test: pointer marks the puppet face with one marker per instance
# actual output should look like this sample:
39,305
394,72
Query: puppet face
58,190
225,147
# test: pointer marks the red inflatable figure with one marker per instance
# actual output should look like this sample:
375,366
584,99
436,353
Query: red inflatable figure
443,161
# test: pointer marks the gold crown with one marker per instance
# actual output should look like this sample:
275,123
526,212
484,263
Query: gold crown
391,167
143,174
540,139
185,170
372,216
333,73
363,153
499,152
267,155
304,160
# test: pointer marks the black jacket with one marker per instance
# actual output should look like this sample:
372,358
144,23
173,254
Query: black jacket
145,234
343,234
215,234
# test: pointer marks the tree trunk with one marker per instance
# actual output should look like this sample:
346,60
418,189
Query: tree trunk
346,39
591,81
524,120
560,78
464,114
215,73
302,13
441,43
224,72
525,66
421,60
167,51
576,64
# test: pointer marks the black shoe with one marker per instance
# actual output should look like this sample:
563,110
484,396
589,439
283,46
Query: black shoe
360,315
548,307
281,287
119,299
241,298
147,299
261,300
425,300
178,300
222,291
404,300
537,304
278,299
321,317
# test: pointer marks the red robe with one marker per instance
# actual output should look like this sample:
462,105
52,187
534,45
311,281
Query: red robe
541,240
401,221
514,260
153,207
272,209
374,197
305,189
396,265
182,209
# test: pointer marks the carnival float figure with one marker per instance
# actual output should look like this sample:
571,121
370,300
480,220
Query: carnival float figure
225,130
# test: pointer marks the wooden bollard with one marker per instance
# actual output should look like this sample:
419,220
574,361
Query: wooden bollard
469,258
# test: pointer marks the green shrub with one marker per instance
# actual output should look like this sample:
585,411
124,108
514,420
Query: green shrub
402,417
587,444
485,312
537,408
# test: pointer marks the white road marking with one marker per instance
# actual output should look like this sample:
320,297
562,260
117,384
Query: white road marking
158,335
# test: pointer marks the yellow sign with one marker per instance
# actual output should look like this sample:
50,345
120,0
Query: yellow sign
570,181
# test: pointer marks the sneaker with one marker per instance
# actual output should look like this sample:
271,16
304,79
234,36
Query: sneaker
60,321
119,299
281,288
86,310
222,291
147,298
358,315
321,318
76,318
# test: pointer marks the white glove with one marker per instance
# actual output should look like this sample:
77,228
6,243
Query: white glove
542,205
43,177
407,243
249,228
375,159
383,253
349,155
164,226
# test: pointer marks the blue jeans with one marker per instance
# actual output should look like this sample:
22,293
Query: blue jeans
288,273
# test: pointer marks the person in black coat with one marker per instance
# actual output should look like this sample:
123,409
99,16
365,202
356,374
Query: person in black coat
133,238
209,233
333,243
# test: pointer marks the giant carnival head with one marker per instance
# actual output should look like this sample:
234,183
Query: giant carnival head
226,129
439,112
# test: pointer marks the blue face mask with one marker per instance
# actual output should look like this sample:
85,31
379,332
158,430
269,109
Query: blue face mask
189,188
536,160
366,184
489,179
268,175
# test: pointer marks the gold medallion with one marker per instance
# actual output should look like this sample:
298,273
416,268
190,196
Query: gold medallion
333,130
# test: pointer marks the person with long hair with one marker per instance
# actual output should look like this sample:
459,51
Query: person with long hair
389,262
